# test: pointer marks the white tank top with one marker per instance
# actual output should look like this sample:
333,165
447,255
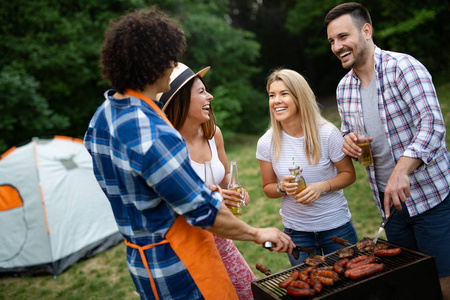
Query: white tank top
216,164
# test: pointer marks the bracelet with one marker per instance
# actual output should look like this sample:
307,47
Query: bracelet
329,184
279,189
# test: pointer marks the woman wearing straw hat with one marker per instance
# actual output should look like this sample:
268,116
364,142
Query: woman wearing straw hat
188,107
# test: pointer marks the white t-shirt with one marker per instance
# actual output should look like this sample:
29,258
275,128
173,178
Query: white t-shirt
331,209
216,164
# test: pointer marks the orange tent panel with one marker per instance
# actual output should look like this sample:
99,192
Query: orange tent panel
9,198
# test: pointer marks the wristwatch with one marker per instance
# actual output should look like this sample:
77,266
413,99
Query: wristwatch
279,189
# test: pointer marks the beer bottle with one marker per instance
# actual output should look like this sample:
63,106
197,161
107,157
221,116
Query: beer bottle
234,185
366,154
209,176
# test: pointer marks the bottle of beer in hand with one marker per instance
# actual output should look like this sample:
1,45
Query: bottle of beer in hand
209,177
366,154
234,185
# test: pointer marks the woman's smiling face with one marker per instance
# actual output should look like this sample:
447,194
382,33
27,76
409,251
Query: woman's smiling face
281,102
200,102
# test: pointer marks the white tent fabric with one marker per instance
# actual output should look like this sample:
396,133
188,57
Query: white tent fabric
64,216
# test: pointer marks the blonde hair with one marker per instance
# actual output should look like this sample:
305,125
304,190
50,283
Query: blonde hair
310,117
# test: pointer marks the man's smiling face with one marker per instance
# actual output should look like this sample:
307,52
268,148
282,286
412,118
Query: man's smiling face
347,42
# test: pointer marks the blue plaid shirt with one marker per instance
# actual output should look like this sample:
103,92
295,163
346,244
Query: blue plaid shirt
413,123
142,164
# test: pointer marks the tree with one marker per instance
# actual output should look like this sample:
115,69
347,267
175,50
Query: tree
50,51
25,113
232,53
419,28
51,48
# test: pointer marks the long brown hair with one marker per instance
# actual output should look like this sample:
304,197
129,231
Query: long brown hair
178,108
310,118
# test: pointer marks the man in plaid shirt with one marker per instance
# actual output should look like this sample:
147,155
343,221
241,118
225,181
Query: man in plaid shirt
395,95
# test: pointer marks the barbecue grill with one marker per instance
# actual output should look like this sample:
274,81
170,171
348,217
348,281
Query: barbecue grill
409,275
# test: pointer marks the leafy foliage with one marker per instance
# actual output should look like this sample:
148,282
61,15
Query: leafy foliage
419,28
54,46
51,51
25,113
50,54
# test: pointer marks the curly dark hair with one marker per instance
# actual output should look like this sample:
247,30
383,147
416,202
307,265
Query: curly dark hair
139,47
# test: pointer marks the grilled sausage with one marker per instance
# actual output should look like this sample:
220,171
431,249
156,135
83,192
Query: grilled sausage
295,275
360,260
263,269
302,276
296,292
326,268
323,280
368,260
299,284
315,284
304,273
388,252
327,273
286,282
364,271
339,265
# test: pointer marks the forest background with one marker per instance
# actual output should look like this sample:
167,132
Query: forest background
50,81
50,84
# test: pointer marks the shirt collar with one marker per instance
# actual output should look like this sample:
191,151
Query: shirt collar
127,101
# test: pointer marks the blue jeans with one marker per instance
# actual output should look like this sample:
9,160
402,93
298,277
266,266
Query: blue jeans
428,232
321,241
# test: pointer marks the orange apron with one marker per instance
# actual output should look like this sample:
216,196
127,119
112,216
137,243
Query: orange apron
195,247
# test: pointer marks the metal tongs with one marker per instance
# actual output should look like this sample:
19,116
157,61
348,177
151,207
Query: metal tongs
384,223
296,251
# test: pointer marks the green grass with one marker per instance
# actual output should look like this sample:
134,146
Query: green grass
106,275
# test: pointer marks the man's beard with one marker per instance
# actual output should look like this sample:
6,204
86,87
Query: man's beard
359,58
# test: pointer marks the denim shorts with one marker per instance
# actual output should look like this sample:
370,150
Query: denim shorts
321,241
428,232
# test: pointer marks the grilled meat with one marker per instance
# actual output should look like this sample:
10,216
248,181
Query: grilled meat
380,247
345,252
365,245
315,260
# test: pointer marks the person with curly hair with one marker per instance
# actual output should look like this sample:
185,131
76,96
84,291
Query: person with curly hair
165,212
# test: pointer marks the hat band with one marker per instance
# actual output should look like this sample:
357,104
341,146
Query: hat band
176,83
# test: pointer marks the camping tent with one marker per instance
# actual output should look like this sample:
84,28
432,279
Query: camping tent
52,210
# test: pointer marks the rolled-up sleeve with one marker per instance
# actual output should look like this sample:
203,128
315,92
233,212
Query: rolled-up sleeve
417,90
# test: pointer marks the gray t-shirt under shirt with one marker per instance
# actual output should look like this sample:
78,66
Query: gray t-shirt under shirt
381,153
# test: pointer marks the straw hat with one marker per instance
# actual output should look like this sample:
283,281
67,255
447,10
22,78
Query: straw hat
180,76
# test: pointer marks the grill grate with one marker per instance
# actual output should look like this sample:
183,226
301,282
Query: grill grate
408,261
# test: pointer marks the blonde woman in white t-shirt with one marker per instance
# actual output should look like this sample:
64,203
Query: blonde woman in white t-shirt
300,135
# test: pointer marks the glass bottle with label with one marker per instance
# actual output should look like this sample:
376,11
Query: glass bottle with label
234,185
295,171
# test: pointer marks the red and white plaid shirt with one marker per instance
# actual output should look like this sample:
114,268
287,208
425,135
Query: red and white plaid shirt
413,123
